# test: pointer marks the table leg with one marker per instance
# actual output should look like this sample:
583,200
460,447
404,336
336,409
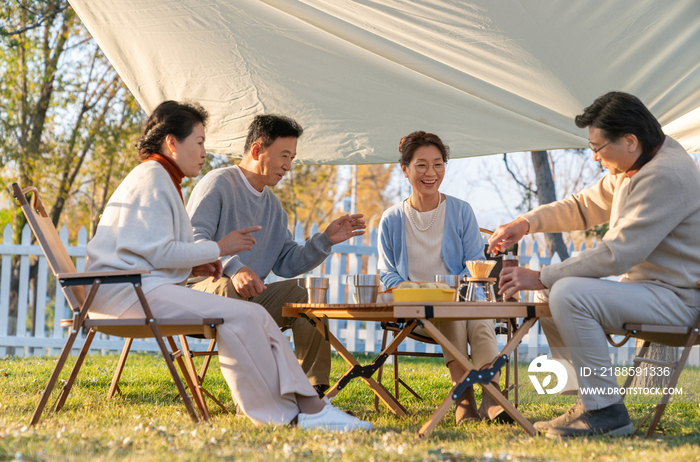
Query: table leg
376,387
492,390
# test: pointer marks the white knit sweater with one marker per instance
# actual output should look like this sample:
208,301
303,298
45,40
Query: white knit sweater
144,226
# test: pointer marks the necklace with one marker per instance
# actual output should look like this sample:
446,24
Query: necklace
413,220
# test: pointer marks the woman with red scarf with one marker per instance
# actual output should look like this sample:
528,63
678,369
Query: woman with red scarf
145,226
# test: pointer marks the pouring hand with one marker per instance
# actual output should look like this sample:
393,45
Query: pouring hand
507,235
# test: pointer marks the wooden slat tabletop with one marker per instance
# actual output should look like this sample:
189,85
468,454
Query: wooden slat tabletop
409,310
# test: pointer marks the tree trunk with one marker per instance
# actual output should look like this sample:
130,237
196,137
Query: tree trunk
545,195
653,376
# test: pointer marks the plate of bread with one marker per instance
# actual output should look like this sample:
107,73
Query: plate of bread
411,291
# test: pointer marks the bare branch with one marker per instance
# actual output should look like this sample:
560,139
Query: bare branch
515,178
48,16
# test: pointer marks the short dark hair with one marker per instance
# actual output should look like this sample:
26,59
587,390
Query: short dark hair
617,114
269,127
415,140
169,118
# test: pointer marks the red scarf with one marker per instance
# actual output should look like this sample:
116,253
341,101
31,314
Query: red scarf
171,167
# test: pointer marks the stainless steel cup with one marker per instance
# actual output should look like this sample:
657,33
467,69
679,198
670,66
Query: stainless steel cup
451,280
317,288
366,287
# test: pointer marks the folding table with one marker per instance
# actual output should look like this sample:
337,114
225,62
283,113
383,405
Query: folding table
424,313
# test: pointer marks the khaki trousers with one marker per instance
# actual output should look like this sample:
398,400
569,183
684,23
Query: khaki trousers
312,350
254,356
479,334
584,309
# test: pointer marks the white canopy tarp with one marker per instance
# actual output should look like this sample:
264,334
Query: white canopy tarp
488,76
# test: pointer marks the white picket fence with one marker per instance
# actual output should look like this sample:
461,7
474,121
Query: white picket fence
23,337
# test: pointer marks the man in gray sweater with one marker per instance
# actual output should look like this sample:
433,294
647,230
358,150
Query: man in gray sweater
651,201
236,197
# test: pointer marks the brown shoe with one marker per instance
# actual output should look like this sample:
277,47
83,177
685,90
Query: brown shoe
612,421
491,410
465,408
573,413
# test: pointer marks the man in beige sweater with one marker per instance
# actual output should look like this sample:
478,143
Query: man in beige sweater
651,202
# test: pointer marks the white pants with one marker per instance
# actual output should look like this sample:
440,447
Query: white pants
256,360
584,309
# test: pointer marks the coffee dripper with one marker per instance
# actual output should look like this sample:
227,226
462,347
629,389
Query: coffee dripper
478,287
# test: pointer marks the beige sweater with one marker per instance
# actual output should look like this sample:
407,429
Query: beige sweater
654,225
144,226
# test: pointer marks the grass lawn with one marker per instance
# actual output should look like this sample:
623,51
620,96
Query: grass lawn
148,424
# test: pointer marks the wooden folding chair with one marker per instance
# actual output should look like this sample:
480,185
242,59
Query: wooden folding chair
198,377
508,330
72,285
665,335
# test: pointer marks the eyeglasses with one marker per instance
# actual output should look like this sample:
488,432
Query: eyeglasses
422,168
596,151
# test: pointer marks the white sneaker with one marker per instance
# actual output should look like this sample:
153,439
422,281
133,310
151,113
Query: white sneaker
333,419
328,402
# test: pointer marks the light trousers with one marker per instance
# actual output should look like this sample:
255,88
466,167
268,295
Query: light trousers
312,350
479,334
255,358
584,309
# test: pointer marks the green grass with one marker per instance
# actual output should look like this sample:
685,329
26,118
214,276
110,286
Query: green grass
146,423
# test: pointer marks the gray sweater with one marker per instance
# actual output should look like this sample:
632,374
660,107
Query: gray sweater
223,202
654,225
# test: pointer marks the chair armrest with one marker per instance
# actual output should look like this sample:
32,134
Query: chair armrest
105,277
100,274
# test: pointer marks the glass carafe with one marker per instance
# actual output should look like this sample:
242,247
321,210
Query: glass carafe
477,289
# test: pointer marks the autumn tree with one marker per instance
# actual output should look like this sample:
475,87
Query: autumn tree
66,119
313,193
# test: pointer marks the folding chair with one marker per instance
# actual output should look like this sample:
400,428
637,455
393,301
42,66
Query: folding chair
511,325
72,285
665,335
198,377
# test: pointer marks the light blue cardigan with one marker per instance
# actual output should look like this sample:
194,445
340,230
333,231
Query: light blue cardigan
461,241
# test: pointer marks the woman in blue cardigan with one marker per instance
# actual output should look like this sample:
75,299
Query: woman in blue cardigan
431,233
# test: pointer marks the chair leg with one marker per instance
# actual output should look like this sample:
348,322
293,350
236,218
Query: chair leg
512,328
506,388
397,379
177,354
173,372
661,407
516,383
114,387
380,370
399,382
74,373
54,377
409,389
194,378
207,359
203,372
